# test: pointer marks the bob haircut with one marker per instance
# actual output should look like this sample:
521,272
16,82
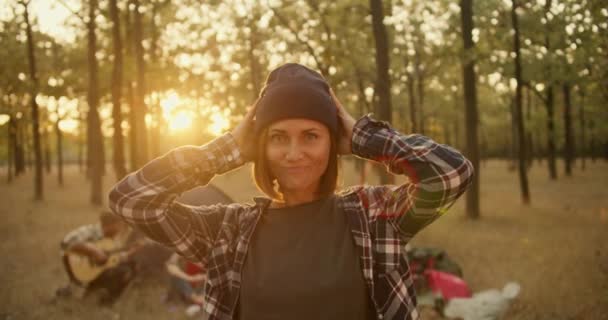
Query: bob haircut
265,182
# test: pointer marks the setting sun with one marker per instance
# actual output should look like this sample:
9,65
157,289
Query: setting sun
179,112
180,121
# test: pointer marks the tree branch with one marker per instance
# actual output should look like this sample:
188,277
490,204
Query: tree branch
72,11
310,49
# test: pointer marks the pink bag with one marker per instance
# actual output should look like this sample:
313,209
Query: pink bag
447,285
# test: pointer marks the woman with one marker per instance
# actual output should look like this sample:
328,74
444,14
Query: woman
306,252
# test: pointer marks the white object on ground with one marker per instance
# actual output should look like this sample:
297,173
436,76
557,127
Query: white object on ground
485,305
193,310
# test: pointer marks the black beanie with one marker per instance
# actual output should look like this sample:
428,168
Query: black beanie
295,91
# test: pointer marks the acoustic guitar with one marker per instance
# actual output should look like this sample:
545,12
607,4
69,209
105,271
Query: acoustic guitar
85,269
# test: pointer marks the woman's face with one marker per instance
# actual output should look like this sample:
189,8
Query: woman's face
297,151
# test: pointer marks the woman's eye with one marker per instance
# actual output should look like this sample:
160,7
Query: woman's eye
277,138
311,136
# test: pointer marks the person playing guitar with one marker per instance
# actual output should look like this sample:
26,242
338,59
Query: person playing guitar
97,256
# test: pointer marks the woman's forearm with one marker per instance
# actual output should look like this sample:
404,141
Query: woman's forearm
146,198
438,174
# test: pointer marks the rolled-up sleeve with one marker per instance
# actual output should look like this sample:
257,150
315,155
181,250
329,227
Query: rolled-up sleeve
438,175
145,199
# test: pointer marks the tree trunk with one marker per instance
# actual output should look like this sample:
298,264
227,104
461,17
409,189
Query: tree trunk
529,138
549,103
47,150
20,148
420,89
412,104
583,144
80,142
155,143
95,138
140,89
38,179
11,150
59,153
514,141
551,146
133,137
569,141
470,100
523,175
117,139
383,81
592,142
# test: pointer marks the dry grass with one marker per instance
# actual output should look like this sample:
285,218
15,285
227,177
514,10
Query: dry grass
557,248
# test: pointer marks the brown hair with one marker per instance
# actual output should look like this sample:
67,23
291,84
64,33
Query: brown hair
266,182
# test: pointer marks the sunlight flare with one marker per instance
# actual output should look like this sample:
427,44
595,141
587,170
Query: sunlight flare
219,122
181,120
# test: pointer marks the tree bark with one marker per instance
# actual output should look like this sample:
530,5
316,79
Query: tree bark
420,90
47,150
412,103
155,130
79,141
140,89
383,81
523,175
38,178
470,100
59,153
583,144
529,138
569,141
117,139
592,142
20,152
95,138
133,137
549,103
11,150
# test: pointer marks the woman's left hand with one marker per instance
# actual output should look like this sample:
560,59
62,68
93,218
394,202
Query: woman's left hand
347,125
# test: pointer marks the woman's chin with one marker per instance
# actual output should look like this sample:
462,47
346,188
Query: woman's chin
295,186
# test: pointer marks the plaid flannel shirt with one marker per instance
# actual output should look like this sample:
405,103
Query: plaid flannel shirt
382,218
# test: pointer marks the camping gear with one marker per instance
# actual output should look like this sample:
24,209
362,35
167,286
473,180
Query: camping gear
486,305
437,278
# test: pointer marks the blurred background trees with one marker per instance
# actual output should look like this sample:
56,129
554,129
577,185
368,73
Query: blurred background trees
126,80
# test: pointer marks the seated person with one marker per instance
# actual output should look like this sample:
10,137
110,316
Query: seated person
97,256
187,279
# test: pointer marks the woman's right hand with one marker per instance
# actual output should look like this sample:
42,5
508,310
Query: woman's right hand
243,133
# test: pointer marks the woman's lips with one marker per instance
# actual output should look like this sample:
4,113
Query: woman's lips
297,169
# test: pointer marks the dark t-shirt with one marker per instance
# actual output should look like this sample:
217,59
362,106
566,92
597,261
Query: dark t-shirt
302,264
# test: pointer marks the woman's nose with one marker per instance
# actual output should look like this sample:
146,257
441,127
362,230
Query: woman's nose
294,152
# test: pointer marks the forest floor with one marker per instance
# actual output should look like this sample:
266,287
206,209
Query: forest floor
556,248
